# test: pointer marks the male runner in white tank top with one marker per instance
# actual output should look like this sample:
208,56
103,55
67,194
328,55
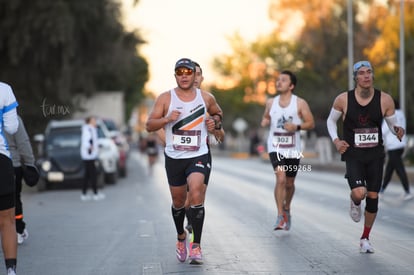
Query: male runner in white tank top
182,112
286,114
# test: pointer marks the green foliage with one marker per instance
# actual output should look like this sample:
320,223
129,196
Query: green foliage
316,50
51,50
231,101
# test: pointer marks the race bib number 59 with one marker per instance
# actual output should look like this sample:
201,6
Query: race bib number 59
186,140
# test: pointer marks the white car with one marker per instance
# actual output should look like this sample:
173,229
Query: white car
108,153
122,144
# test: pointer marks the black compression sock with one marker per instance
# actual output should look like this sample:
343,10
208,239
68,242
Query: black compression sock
178,216
11,263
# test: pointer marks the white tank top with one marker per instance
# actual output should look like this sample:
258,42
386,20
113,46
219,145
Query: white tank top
279,140
187,136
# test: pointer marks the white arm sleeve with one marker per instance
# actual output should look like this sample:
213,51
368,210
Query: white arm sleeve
334,115
391,122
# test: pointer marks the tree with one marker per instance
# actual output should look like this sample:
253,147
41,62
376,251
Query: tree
385,51
311,51
52,50
310,38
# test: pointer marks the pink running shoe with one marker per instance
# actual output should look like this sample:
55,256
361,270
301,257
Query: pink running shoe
196,256
181,250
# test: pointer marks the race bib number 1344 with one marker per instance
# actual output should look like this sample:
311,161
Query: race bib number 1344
366,137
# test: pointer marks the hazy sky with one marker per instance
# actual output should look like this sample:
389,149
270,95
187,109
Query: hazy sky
196,29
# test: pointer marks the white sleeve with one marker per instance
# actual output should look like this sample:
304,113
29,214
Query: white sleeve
334,115
391,122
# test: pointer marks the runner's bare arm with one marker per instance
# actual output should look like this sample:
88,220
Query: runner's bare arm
213,107
306,115
266,117
340,103
156,119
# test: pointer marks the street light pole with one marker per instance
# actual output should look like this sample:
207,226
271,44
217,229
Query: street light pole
350,46
402,59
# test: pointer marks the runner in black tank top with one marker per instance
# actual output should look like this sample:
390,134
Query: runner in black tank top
363,123
362,111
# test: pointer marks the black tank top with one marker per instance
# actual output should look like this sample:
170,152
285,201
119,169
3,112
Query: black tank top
362,128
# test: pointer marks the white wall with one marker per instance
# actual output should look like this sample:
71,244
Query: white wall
103,104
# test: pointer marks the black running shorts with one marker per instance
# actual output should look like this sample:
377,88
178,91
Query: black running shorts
365,173
7,184
289,165
179,169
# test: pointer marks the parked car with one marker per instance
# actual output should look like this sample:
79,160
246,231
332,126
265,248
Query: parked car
60,161
121,141
108,151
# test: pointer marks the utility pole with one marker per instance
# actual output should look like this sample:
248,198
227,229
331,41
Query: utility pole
350,46
402,59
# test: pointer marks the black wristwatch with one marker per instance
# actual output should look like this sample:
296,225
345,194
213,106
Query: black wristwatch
218,126
298,128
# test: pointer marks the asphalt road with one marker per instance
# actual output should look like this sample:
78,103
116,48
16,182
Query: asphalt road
132,232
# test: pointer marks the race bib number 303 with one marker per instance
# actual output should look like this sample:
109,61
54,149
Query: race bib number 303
366,137
186,140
